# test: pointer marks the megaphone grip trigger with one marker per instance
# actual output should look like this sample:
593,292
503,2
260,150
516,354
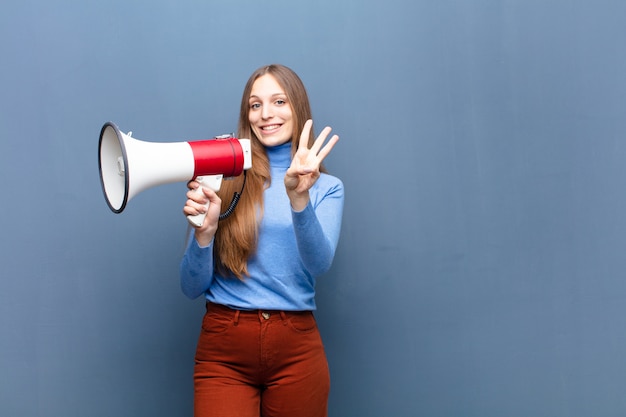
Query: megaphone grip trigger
198,219
213,182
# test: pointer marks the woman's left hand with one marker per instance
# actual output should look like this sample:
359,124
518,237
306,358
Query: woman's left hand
305,165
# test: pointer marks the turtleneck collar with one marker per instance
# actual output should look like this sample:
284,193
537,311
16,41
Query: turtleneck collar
279,156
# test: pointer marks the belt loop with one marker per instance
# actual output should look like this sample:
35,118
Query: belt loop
283,316
237,317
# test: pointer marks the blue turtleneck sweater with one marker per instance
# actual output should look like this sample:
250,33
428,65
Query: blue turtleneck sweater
293,249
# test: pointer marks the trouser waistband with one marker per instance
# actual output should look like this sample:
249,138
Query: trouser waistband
260,313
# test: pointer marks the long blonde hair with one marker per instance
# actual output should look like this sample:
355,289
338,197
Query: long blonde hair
237,235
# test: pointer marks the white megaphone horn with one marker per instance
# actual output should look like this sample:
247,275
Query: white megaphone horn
129,166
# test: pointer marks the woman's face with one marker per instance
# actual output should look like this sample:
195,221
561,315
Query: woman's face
270,112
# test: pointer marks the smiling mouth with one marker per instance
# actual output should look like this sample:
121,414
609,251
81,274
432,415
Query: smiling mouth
270,127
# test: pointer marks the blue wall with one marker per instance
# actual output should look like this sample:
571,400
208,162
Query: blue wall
481,267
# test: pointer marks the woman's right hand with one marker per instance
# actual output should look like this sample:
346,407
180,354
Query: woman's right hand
196,204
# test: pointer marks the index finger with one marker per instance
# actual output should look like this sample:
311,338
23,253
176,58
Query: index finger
304,136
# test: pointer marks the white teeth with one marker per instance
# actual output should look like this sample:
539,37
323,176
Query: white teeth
270,127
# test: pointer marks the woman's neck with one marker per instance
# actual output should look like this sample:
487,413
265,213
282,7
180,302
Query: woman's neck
279,156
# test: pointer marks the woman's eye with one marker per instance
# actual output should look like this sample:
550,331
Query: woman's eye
255,106
280,102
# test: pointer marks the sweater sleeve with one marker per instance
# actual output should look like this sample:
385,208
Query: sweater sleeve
317,230
196,268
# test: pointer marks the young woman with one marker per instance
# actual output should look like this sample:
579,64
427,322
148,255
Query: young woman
259,352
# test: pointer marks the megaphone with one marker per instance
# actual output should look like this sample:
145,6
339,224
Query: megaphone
129,166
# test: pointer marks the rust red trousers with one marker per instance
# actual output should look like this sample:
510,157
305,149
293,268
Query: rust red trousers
260,364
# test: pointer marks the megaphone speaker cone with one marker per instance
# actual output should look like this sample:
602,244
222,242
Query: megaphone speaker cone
113,163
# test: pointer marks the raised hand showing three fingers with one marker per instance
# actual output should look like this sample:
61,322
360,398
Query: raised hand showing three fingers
305,165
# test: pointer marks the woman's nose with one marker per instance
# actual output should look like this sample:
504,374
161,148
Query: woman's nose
266,112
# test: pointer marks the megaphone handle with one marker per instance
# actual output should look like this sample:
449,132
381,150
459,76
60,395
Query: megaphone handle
211,181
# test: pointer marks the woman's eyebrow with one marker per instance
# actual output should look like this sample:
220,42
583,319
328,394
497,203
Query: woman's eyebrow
272,96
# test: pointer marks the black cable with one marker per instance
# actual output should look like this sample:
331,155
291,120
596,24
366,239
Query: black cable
235,200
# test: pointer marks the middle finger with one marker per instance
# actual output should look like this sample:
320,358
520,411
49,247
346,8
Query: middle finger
320,140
